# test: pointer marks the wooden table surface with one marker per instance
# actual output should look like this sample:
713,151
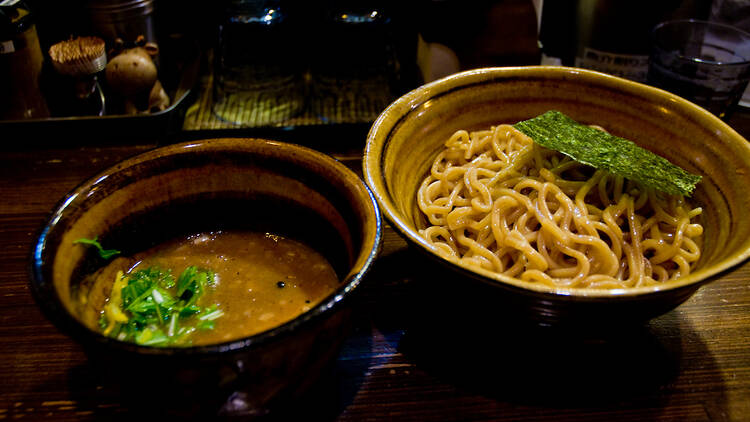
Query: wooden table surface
692,364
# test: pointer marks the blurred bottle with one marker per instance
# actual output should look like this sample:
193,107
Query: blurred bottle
489,33
21,63
610,36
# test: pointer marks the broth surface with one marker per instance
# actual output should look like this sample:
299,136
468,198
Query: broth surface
261,280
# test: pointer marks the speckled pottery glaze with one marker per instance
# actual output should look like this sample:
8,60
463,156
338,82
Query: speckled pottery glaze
406,137
213,185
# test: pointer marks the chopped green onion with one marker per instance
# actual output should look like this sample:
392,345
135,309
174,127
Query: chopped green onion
156,313
205,325
104,253
211,315
172,324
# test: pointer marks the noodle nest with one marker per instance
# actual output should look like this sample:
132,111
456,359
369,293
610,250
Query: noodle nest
496,200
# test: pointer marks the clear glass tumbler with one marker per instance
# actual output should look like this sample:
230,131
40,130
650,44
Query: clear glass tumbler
258,77
707,63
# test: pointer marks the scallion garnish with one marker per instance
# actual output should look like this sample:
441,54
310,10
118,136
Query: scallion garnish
149,308
104,253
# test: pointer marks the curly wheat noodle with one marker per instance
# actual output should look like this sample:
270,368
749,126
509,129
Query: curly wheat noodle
496,200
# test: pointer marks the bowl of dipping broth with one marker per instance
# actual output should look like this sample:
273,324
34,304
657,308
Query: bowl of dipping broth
561,195
226,267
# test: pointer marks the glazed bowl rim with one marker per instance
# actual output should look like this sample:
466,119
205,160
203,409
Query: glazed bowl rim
48,300
402,107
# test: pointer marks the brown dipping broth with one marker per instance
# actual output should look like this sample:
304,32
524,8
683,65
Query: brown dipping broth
262,280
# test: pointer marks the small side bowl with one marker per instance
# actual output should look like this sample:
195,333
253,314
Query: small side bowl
406,137
212,185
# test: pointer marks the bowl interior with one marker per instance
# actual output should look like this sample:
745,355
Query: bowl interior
212,185
409,134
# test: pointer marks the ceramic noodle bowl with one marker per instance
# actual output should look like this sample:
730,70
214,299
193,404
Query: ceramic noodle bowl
408,135
197,187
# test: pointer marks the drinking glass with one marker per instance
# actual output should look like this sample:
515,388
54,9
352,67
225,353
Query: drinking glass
705,62
258,77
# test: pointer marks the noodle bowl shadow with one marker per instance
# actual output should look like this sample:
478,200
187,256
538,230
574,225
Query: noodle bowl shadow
208,185
408,135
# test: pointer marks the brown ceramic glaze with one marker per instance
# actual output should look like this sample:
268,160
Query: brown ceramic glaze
407,136
211,185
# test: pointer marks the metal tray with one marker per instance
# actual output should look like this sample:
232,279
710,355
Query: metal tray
179,70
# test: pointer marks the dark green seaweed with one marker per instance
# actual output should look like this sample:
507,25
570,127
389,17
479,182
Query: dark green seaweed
598,149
